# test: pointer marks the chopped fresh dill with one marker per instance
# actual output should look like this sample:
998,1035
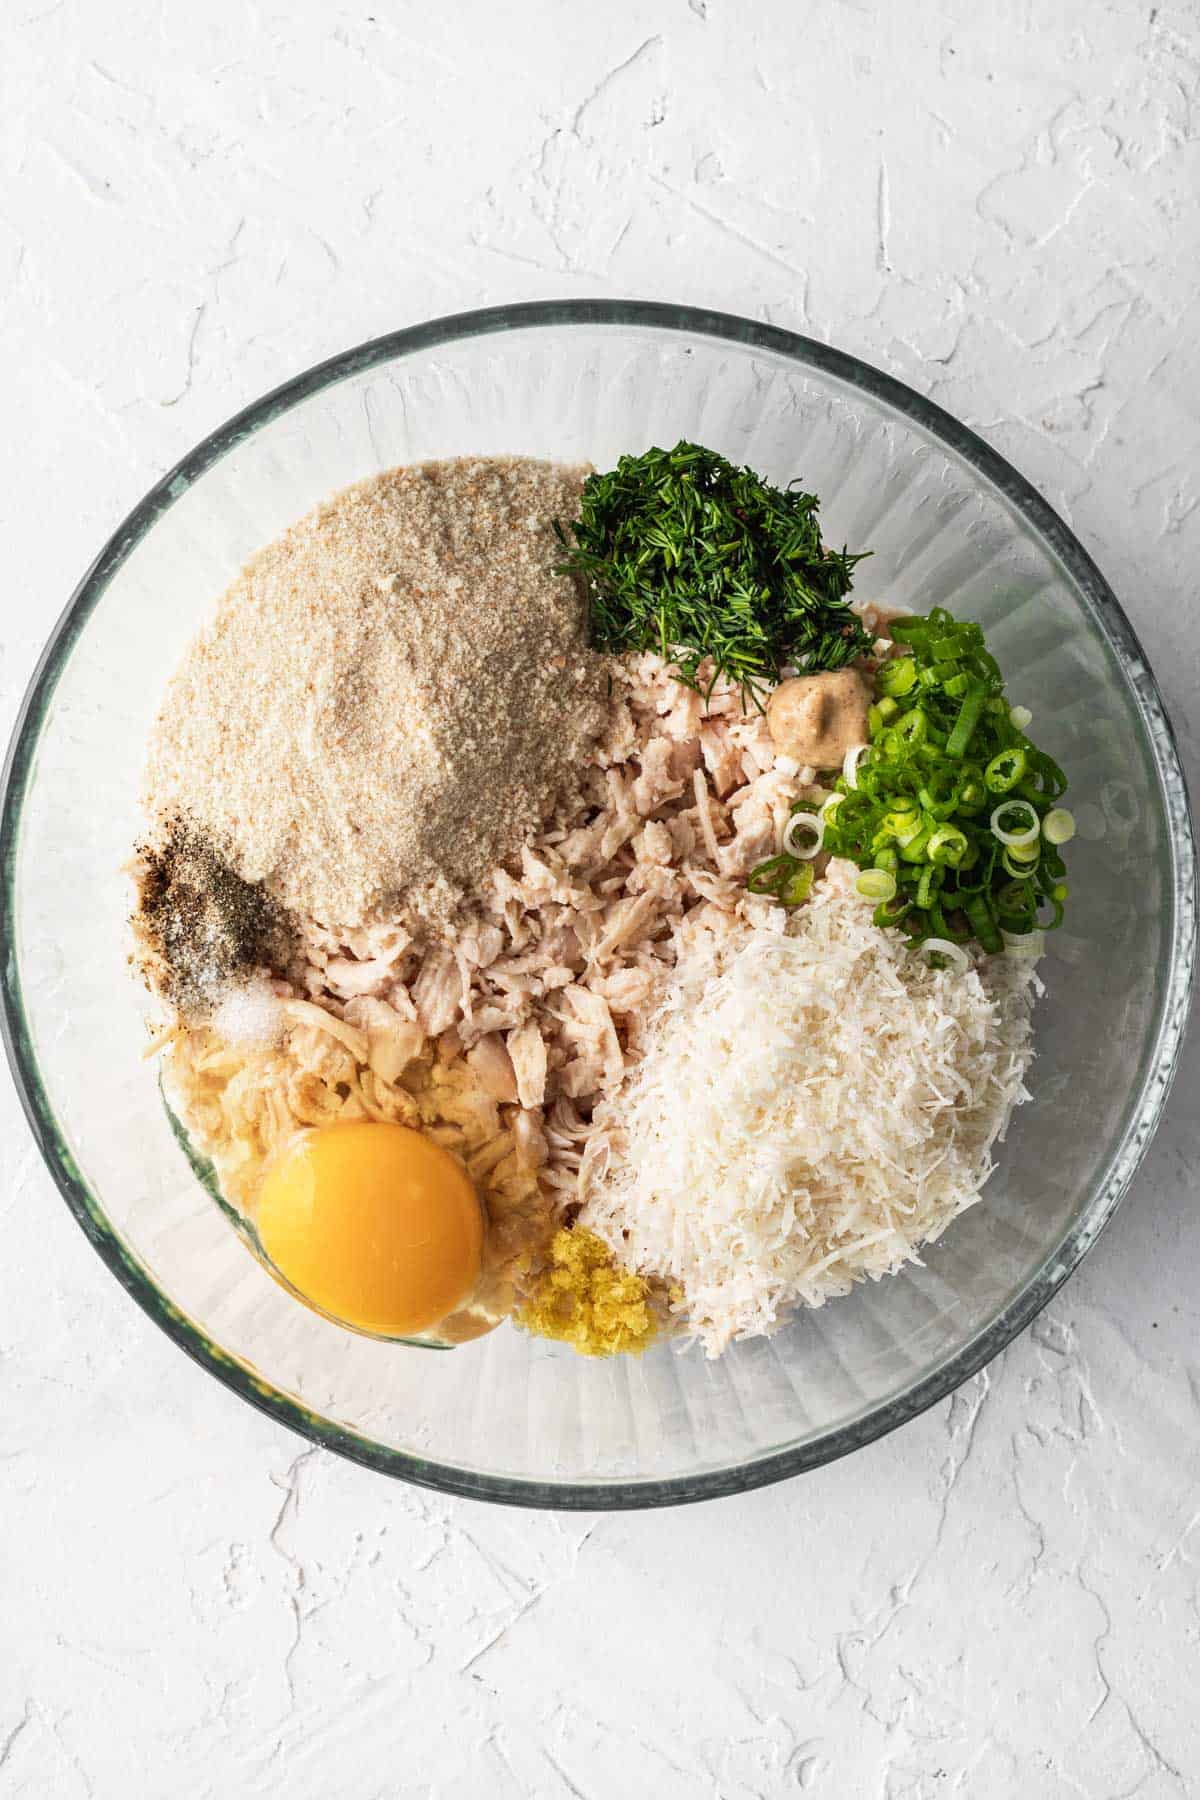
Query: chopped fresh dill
684,553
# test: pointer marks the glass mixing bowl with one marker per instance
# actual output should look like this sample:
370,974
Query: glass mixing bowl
509,1418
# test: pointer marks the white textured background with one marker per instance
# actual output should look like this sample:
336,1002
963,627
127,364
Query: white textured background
994,199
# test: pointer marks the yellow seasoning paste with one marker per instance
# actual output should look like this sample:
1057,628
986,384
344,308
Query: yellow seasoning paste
584,1299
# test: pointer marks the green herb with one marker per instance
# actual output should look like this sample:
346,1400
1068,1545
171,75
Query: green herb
923,805
683,553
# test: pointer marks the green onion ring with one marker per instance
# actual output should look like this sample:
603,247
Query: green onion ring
814,824
954,954
1015,839
1005,770
947,845
876,884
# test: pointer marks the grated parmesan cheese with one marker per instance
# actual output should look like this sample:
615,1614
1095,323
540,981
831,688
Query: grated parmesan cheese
814,1102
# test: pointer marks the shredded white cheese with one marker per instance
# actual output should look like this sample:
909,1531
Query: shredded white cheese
814,1103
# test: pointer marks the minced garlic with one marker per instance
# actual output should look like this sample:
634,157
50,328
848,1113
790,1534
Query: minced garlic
584,1299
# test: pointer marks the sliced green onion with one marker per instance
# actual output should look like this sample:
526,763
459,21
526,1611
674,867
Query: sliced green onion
1029,790
1056,918
1058,826
812,825
1021,834
979,915
897,677
1005,769
977,877
799,885
910,729
853,757
927,886
909,630
941,925
954,954
912,847
770,876
968,718
947,845
939,795
1024,944
904,826
949,759
876,884
1051,780
1016,901
781,878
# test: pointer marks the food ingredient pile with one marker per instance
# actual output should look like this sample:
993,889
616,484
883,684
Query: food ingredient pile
815,1101
684,553
392,696
201,929
514,832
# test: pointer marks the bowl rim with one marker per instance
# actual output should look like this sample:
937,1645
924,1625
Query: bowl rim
875,1420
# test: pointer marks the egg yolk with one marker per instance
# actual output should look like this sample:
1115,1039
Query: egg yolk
374,1224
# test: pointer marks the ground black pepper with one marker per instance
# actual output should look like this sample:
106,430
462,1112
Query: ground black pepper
199,925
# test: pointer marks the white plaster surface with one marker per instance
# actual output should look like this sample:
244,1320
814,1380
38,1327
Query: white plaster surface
996,200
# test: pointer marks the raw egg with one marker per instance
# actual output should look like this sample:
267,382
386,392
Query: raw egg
374,1224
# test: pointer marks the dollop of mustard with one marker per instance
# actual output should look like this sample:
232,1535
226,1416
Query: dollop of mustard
583,1298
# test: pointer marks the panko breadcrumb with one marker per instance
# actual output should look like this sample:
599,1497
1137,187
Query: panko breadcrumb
391,697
